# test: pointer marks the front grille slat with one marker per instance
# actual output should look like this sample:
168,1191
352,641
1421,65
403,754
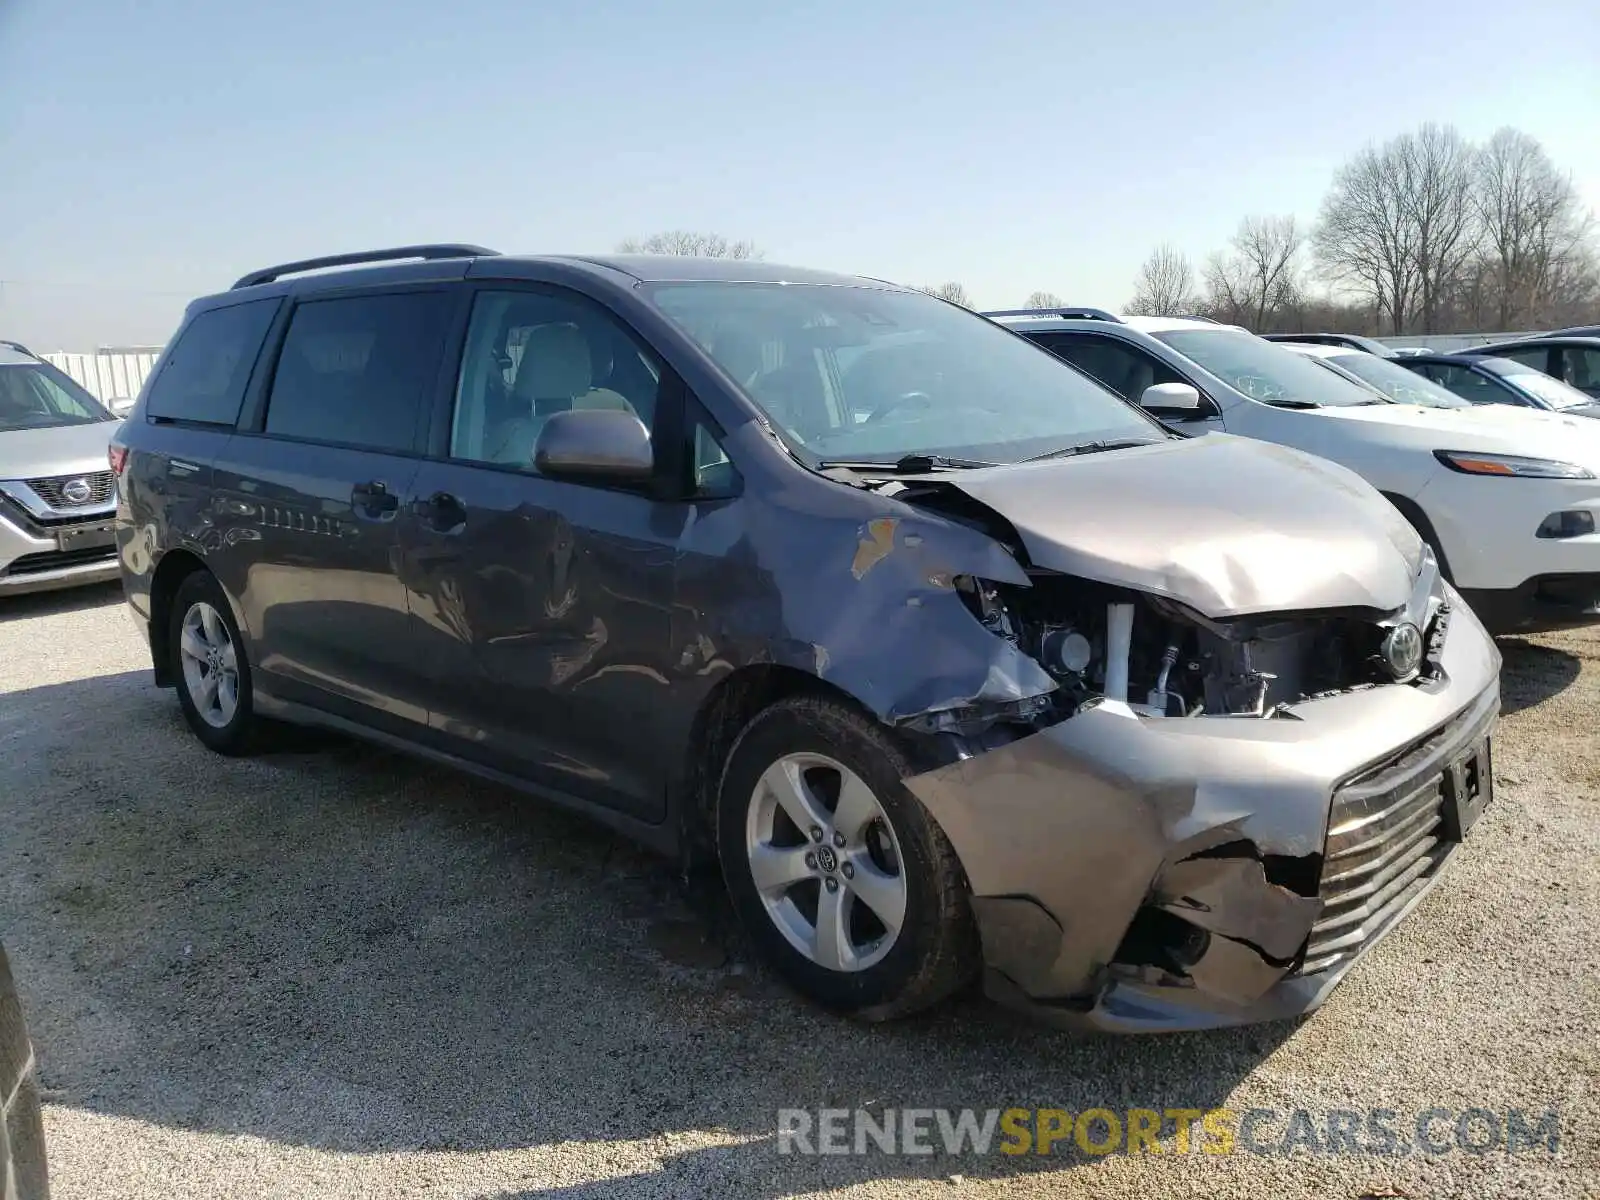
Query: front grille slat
1361,902
1386,841
53,490
1378,851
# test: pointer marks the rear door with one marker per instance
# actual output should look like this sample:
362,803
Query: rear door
546,604
309,492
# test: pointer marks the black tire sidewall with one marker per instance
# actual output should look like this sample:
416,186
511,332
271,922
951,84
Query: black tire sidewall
236,736
824,728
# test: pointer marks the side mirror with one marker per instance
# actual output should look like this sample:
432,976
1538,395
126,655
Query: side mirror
120,406
595,443
1171,397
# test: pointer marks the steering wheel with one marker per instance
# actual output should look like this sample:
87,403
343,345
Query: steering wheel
921,399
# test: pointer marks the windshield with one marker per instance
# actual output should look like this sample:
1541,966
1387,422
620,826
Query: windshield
1545,388
860,374
36,396
1397,383
1263,371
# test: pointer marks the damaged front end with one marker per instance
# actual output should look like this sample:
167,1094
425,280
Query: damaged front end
1209,818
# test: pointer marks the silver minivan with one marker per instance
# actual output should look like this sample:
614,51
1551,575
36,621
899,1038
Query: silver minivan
955,662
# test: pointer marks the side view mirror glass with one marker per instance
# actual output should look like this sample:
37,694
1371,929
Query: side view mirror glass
595,443
1171,397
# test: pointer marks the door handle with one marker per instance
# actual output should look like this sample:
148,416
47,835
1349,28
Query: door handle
443,513
374,500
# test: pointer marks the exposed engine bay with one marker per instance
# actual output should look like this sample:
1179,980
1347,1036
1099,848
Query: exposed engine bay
1105,643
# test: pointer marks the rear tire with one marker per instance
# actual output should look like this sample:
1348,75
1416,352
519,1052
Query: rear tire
212,668
861,903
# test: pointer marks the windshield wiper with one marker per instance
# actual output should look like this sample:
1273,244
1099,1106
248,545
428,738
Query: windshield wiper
1286,402
1092,448
911,464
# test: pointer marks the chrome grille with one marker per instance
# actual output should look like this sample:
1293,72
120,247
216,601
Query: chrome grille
53,490
1383,846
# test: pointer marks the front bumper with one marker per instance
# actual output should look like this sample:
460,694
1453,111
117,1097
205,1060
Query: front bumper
1514,579
1540,604
37,558
1088,842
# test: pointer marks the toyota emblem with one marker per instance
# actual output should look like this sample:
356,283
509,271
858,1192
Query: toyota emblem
1402,650
77,491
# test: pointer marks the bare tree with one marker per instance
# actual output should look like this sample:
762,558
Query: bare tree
1255,281
686,242
1164,286
1399,226
1044,300
1437,165
952,292
1535,231
1364,240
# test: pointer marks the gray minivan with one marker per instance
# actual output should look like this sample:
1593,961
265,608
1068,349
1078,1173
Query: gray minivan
956,662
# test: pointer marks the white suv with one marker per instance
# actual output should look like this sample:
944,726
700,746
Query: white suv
1507,498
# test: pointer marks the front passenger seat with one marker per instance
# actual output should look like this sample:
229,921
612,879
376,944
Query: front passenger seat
1140,376
555,375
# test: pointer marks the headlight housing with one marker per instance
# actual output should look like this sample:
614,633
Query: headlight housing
1468,462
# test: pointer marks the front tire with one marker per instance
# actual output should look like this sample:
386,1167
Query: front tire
840,876
211,667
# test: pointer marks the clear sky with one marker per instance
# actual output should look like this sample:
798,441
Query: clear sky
154,150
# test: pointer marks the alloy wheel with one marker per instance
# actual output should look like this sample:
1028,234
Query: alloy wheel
210,664
826,862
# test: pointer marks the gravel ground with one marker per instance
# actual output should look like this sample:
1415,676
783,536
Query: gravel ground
336,973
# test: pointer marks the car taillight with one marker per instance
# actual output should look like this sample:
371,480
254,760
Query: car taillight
117,456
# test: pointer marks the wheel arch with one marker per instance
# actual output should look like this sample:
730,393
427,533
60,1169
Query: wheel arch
174,567
1412,512
722,716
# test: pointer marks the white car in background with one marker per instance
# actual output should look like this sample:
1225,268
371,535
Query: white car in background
1506,498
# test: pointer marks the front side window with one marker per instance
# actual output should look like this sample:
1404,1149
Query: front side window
205,372
34,395
1397,383
1580,367
1265,372
357,371
530,355
1125,369
1535,357
1468,384
870,375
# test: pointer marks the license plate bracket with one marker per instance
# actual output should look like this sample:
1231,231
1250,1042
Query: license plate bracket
1468,789
91,537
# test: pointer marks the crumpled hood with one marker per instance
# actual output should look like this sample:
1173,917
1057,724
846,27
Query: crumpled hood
1225,525
61,450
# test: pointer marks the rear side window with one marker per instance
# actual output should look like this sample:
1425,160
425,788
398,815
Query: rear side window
358,371
208,367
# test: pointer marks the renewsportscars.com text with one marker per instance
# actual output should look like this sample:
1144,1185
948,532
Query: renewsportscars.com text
1381,1132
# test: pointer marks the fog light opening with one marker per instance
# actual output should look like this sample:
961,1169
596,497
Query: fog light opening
1571,523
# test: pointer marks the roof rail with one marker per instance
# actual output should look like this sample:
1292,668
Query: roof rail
442,250
18,346
1082,314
